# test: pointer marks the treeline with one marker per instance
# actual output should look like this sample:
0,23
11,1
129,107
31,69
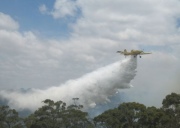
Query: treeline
126,115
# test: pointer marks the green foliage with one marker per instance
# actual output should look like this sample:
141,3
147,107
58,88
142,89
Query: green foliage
109,119
135,115
154,118
131,113
9,118
171,106
172,101
126,115
56,115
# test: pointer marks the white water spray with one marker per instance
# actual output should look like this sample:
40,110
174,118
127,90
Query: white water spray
93,88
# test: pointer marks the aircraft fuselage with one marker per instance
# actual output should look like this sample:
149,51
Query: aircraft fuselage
132,53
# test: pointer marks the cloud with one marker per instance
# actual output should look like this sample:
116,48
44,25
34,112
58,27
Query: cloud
141,22
61,9
138,22
24,57
64,8
6,22
43,9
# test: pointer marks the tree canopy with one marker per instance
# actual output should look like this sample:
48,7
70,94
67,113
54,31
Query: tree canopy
127,115
136,115
9,118
57,115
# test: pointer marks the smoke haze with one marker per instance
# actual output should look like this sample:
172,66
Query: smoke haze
93,88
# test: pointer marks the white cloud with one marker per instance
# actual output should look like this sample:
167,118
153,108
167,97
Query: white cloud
61,9
55,52
43,9
151,20
6,22
64,8
86,58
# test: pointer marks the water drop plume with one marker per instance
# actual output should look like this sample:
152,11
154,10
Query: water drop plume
91,89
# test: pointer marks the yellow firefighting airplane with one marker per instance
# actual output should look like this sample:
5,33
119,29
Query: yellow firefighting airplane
133,53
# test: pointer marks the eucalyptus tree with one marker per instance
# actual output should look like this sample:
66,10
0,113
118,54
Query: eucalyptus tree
9,118
127,115
58,115
171,105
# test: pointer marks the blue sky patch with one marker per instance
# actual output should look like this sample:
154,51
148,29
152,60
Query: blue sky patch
27,14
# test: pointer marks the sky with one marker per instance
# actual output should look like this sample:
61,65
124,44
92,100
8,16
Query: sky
46,43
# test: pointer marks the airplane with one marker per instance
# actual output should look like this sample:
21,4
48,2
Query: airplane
133,53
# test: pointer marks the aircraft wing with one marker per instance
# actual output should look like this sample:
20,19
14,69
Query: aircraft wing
144,53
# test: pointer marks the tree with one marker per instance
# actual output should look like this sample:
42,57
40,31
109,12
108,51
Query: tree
127,115
9,118
109,119
56,114
171,105
131,114
154,118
